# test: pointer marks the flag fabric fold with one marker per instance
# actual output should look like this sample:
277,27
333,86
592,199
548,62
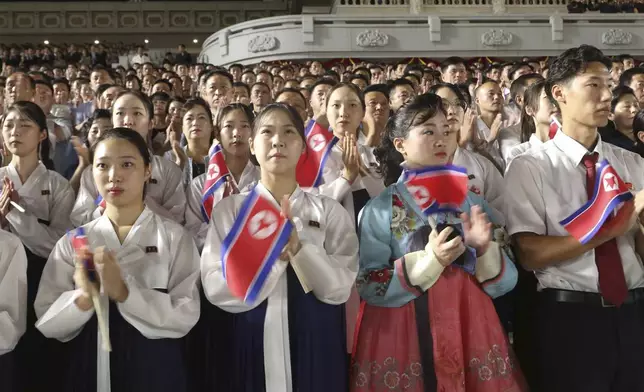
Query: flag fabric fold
253,245
555,126
438,188
319,143
79,242
609,193
216,176
100,201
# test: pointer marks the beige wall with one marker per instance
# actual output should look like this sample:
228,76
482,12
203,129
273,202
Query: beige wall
164,24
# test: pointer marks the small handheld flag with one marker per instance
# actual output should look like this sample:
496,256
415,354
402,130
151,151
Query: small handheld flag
609,193
215,178
100,202
319,143
80,245
438,188
253,245
555,126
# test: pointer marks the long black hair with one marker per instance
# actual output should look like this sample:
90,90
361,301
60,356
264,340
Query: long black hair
416,112
32,112
532,100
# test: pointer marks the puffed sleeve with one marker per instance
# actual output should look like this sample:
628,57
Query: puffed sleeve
382,282
212,277
55,305
331,270
174,196
525,208
13,291
39,237
160,315
85,209
496,270
494,186
194,220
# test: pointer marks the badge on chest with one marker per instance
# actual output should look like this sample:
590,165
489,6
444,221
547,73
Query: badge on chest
151,249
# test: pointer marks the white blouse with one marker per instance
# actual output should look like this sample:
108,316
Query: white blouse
13,291
194,218
157,254
165,194
327,262
47,199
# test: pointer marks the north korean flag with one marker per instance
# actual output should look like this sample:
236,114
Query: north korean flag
80,243
100,202
253,245
215,178
555,126
319,143
609,193
437,188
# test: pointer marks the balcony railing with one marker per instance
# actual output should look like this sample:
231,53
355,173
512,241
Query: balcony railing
433,36
452,7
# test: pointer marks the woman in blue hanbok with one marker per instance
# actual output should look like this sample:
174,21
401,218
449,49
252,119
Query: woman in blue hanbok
428,322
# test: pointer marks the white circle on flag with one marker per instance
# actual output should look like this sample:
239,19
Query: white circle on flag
420,194
610,182
317,142
262,225
213,171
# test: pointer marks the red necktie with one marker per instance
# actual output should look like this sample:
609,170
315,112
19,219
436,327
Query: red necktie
612,283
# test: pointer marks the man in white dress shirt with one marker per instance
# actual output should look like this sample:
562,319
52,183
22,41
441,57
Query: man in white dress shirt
140,57
589,315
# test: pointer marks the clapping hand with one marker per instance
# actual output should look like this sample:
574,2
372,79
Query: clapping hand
293,246
477,230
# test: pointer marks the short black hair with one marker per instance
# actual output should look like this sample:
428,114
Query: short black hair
517,67
322,81
243,85
520,84
571,63
216,72
619,93
377,88
627,76
399,82
451,61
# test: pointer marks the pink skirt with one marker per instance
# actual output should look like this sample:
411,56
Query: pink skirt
471,350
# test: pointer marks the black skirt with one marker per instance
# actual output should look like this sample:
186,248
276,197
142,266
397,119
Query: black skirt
35,354
137,364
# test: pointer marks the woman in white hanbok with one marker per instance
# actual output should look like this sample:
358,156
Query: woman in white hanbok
147,267
164,192
289,339
13,307
42,201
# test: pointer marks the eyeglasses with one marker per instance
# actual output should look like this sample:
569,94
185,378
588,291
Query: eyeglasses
453,104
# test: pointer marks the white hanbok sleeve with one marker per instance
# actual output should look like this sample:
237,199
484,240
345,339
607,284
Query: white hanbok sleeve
336,189
55,305
212,277
13,291
39,237
194,220
172,315
85,209
331,269
173,203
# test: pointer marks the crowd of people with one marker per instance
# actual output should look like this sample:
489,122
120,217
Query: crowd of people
370,292
606,6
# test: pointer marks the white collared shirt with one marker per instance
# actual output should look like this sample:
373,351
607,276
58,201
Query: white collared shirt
483,178
517,150
547,184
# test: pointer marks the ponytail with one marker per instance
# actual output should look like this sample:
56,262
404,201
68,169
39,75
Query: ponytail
45,153
389,159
